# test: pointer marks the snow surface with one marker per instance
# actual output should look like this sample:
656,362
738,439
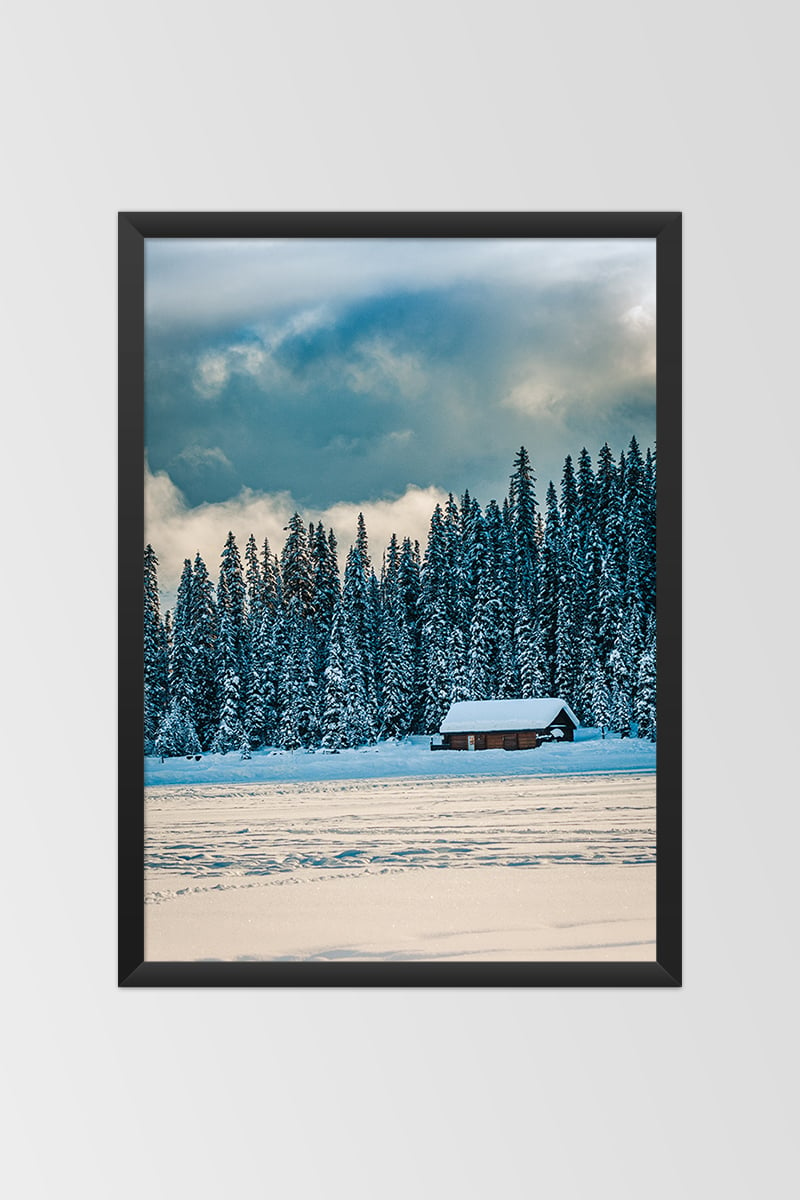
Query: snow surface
511,867
482,716
588,754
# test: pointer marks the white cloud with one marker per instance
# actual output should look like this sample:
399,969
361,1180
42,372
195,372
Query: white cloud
377,364
640,318
535,396
399,437
178,532
256,357
204,456
207,281
215,367
211,374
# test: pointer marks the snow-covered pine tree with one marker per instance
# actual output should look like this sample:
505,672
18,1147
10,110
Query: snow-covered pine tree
649,557
296,574
570,641
168,642
396,651
232,608
480,651
522,514
408,583
590,573
504,683
155,653
645,704
601,700
620,692
398,676
181,660
586,509
261,714
230,727
325,580
374,590
458,666
531,678
631,644
454,558
309,714
584,693
254,582
270,577
334,732
569,502
564,674
551,577
609,510
176,732
473,547
609,609
590,555
359,597
436,626
390,575
291,636
635,521
480,607
203,636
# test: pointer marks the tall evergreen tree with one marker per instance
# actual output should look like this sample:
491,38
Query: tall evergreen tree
645,703
648,571
436,624
203,637
335,734
293,682
296,574
601,700
505,676
181,665
620,691
325,579
398,675
232,609
522,513
551,581
270,578
408,584
254,583
155,653
176,733
358,599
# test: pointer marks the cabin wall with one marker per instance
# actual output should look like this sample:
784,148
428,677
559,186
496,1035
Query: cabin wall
524,739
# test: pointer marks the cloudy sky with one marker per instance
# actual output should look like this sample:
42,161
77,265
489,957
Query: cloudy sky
338,375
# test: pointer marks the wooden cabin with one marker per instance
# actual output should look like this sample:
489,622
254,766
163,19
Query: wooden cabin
506,724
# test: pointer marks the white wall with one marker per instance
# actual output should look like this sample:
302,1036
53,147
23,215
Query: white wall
176,105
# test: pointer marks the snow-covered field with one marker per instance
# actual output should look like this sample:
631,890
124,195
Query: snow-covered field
483,864
588,753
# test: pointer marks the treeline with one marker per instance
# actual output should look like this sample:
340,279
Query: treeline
510,600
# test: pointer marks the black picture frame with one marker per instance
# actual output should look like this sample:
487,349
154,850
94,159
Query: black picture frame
133,229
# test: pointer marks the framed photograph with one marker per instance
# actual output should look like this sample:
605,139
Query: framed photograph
400,693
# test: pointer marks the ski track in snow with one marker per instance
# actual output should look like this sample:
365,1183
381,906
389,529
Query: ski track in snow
237,835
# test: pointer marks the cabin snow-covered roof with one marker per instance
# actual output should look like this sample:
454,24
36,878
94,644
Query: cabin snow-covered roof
483,716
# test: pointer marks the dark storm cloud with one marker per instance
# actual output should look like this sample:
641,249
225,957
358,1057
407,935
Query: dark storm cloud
345,371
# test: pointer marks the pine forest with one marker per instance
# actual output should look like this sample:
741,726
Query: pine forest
292,649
